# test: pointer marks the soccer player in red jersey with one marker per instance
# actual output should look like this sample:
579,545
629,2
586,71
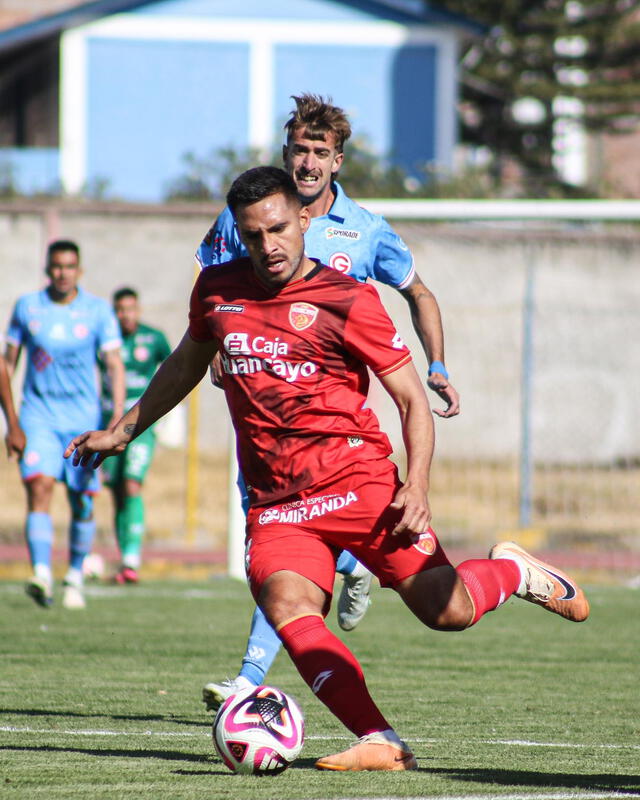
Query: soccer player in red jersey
296,339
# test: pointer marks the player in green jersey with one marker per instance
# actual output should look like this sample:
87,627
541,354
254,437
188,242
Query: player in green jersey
143,349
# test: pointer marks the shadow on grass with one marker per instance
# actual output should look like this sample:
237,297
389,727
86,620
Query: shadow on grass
301,763
44,713
163,755
622,784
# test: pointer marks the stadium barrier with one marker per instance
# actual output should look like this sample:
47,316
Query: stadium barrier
540,309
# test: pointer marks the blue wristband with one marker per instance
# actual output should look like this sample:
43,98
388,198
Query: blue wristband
439,367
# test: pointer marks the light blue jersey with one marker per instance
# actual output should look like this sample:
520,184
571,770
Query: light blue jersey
349,239
62,342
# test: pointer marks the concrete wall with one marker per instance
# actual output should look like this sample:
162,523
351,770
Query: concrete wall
585,379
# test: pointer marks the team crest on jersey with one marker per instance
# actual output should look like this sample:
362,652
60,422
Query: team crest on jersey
141,353
302,315
340,262
80,331
425,543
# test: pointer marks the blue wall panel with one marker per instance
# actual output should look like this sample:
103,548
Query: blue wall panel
388,93
30,170
413,109
151,102
357,78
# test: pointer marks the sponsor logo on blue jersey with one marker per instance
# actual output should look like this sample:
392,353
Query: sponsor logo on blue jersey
342,233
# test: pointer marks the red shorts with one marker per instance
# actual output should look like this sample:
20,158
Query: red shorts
306,533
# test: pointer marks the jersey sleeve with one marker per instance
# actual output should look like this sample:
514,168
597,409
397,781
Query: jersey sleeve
108,329
198,327
16,328
221,244
371,335
393,262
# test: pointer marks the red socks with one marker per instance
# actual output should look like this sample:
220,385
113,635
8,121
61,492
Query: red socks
333,673
489,583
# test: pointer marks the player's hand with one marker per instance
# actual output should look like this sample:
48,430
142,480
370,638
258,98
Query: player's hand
416,514
91,448
441,386
15,441
215,370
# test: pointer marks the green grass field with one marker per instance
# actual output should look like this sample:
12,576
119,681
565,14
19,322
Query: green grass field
105,703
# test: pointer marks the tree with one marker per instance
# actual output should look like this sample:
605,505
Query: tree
544,64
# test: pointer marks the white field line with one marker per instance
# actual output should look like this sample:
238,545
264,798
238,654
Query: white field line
93,590
207,733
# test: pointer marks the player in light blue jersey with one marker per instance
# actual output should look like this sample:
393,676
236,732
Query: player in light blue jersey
62,329
352,240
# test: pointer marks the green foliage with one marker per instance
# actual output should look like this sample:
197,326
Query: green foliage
208,177
585,51
105,703
363,174
7,181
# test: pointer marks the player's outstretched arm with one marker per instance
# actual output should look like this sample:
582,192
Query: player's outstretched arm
425,315
15,440
405,388
173,381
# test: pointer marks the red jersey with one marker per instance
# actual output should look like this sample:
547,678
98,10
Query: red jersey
295,371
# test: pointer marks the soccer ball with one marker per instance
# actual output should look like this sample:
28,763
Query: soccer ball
93,567
258,731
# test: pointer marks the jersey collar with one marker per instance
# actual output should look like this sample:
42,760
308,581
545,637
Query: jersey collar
338,211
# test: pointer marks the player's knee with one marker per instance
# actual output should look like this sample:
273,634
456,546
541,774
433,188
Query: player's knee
39,492
81,506
286,595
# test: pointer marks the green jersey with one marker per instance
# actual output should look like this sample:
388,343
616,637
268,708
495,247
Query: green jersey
142,354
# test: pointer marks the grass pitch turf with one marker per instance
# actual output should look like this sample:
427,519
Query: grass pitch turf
105,703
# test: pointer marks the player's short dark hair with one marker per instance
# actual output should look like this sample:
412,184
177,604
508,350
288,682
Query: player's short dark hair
62,245
259,182
125,291
318,116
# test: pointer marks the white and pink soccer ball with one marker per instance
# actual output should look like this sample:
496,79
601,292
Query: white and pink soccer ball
259,731
93,567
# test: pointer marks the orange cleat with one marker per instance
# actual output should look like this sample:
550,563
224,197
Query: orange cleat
545,585
373,752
